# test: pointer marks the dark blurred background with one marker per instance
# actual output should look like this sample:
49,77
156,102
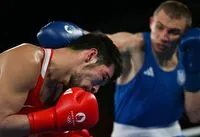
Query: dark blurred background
21,20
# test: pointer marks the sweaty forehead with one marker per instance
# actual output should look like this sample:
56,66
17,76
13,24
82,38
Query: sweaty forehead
164,19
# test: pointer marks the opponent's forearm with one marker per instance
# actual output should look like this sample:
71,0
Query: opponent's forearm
192,106
14,126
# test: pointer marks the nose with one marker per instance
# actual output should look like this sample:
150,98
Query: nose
164,36
95,89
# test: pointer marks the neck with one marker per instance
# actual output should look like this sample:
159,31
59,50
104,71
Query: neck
167,57
62,65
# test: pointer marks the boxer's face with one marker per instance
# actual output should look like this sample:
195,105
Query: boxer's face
92,76
165,31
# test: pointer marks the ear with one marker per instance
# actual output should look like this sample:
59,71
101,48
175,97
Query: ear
91,55
151,19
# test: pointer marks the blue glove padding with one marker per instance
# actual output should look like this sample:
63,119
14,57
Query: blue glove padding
190,48
58,34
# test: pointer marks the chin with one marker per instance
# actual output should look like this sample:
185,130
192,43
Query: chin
160,51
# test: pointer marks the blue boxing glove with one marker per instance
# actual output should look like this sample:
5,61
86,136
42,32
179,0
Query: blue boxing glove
190,48
58,34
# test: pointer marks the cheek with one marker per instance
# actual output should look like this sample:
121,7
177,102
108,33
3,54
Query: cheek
154,34
85,82
82,81
87,78
153,28
174,38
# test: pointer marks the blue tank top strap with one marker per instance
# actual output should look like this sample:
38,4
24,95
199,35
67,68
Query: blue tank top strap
147,41
148,50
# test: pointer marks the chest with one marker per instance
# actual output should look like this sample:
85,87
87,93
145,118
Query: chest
133,63
50,91
160,86
44,95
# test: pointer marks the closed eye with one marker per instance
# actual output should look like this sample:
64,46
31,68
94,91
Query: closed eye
106,79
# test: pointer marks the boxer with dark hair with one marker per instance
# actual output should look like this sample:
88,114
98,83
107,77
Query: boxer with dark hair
47,90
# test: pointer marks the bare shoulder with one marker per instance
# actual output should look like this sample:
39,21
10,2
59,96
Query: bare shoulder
24,51
24,47
22,63
137,39
19,70
127,40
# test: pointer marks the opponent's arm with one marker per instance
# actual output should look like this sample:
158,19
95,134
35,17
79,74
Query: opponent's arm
127,42
58,34
55,35
192,105
190,48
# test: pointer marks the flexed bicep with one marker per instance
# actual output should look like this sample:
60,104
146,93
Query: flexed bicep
126,41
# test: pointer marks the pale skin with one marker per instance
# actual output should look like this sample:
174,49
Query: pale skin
164,31
19,71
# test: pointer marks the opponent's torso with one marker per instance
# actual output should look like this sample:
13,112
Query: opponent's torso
153,97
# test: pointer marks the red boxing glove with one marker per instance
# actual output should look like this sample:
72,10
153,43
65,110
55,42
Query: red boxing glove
79,133
76,109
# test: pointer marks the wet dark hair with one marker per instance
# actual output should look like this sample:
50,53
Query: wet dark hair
108,52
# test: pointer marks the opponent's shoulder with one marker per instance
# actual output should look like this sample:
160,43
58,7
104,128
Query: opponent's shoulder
138,39
127,40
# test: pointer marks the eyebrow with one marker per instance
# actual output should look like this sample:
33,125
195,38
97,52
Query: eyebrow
177,29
